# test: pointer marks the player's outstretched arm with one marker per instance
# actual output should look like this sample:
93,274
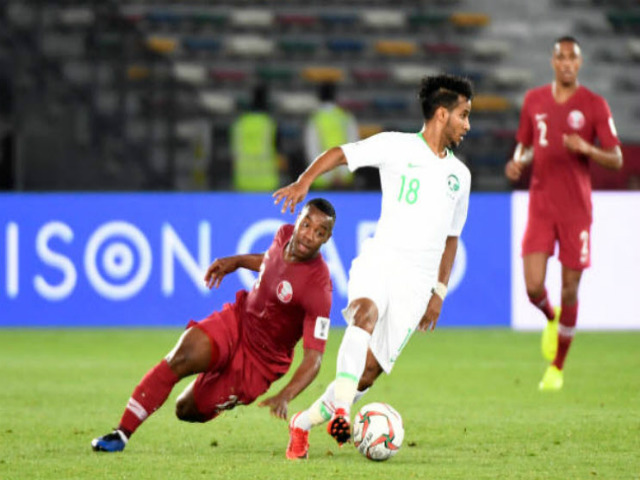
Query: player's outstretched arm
302,378
225,265
295,192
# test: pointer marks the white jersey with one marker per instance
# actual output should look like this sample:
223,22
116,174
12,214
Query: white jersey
424,198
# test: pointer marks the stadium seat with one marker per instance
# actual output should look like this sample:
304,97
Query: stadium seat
339,19
76,17
383,19
300,20
396,48
217,102
138,72
209,19
428,19
354,105
625,21
370,75
296,103
368,129
191,73
201,44
167,17
270,73
442,48
302,46
162,45
633,46
345,45
250,45
390,105
511,77
252,18
489,49
322,74
228,75
490,103
412,74
470,20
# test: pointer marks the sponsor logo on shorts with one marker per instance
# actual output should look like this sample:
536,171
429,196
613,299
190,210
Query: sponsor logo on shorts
576,119
284,291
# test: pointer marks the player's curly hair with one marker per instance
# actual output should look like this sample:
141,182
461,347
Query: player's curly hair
324,206
443,91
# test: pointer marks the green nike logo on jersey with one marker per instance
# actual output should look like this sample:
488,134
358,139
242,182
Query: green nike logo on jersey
413,165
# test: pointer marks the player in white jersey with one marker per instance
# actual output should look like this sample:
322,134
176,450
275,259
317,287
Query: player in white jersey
399,281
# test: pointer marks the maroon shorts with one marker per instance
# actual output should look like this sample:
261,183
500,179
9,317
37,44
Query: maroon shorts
573,237
233,378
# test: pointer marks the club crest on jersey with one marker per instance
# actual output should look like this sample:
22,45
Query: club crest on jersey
453,182
576,119
284,291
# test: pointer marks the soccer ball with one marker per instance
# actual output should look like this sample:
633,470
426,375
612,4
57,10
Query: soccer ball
378,431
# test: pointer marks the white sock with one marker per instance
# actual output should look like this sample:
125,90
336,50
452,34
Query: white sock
321,410
352,357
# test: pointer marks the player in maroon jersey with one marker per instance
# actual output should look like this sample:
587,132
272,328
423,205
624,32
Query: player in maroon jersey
240,351
559,124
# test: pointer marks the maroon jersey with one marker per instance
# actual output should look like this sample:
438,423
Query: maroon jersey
560,182
289,300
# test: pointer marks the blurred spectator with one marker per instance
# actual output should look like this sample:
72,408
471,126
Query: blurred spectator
256,165
7,173
329,126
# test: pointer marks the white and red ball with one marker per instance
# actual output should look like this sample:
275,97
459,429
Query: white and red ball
378,431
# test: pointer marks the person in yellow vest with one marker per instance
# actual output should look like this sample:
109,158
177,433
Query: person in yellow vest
254,147
329,126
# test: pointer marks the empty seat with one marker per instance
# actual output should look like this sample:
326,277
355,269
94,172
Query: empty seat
298,46
252,18
633,46
412,74
76,17
339,19
322,74
271,73
345,45
511,77
396,48
470,20
191,73
428,19
217,102
442,48
138,72
228,75
383,19
490,103
201,44
370,74
165,16
250,45
298,103
489,49
368,129
163,45
390,104
296,20
205,18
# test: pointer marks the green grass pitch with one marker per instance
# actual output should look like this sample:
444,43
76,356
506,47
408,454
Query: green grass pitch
469,400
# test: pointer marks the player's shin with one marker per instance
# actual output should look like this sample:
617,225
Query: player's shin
352,357
148,396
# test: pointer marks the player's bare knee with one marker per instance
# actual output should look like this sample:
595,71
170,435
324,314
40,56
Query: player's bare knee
186,411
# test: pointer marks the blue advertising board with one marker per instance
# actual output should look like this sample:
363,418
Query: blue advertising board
138,259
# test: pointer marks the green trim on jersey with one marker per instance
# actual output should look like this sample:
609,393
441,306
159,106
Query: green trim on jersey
448,150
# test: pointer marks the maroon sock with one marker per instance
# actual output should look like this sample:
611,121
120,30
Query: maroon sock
148,396
566,330
542,302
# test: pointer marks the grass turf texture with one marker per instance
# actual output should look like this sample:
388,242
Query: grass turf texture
469,400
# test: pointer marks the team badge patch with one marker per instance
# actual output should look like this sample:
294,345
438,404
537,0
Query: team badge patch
322,328
453,182
284,291
576,119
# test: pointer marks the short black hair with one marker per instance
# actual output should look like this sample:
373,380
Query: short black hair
324,206
442,91
327,92
566,38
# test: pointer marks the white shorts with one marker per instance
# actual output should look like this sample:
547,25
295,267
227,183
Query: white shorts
401,294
